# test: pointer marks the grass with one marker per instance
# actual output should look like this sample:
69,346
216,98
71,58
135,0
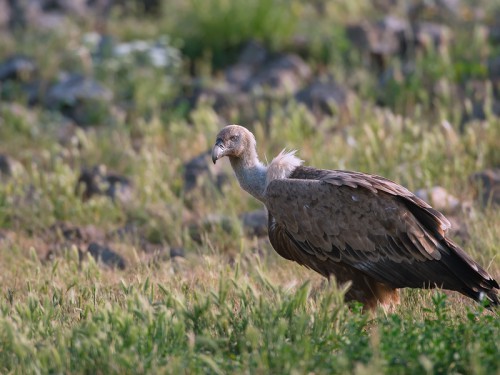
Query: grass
232,305
210,318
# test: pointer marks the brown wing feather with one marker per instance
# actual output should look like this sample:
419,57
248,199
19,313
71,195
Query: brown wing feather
372,225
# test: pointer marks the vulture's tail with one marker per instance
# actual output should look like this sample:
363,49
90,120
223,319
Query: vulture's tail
493,299
480,285
474,281
488,298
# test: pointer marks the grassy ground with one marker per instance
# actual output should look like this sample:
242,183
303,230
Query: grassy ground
232,305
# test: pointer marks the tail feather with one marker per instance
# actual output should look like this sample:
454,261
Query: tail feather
479,284
493,298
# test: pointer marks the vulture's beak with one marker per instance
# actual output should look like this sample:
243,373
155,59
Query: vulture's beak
218,150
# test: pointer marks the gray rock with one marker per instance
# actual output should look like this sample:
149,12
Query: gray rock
319,96
487,184
32,13
494,68
201,167
75,87
19,68
76,234
430,35
441,10
107,256
8,166
210,223
97,181
255,223
253,56
72,7
394,36
129,231
177,252
475,93
82,99
378,41
494,33
284,73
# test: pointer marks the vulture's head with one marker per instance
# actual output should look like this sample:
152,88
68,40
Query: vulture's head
234,141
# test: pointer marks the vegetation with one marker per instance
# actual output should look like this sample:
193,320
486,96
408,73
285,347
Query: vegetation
231,305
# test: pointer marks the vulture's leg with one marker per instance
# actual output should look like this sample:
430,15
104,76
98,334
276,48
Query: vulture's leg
371,293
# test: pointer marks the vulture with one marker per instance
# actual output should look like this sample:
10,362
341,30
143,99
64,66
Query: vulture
361,229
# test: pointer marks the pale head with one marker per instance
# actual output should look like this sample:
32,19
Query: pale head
233,141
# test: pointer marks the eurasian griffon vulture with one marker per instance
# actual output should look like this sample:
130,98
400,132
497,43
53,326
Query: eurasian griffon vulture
357,227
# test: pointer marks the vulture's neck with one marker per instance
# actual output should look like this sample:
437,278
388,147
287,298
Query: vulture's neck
254,176
251,173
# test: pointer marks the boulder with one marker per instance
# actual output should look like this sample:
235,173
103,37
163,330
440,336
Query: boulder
487,186
17,68
320,96
80,98
201,168
97,181
106,256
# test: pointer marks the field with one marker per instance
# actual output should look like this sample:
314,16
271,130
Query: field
120,254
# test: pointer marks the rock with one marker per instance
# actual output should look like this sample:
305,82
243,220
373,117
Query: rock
487,184
129,231
82,99
249,85
75,87
439,10
253,54
257,69
8,166
106,256
439,199
379,40
32,14
400,32
63,236
177,252
494,34
158,53
255,223
320,96
385,6
210,224
429,35
72,7
97,181
393,36
201,167
76,234
494,68
18,68
251,58
284,73
474,98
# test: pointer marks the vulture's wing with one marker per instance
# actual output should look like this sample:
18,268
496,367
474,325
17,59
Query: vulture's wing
373,225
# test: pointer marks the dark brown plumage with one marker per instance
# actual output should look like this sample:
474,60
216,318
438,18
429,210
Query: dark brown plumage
359,228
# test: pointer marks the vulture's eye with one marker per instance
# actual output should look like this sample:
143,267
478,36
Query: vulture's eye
234,138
